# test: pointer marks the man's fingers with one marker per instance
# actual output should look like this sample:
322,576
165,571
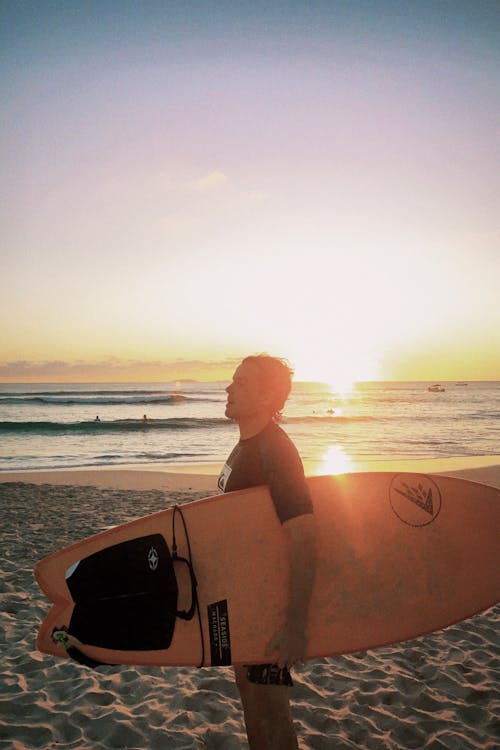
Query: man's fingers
273,644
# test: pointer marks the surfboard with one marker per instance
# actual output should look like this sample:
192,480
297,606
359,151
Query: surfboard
399,556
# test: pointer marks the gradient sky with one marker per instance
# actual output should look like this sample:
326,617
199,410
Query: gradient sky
184,183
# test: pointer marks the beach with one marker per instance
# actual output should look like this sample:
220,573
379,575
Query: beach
437,692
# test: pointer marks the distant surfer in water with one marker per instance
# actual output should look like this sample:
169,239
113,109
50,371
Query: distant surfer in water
266,455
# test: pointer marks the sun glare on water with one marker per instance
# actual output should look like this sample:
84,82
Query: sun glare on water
335,461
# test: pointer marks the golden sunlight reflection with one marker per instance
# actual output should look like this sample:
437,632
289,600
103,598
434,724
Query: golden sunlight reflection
340,365
335,461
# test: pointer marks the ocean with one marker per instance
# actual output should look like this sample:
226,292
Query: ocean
61,426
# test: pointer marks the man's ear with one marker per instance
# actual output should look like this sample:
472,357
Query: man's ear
266,399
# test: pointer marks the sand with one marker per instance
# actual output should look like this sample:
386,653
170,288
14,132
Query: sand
435,692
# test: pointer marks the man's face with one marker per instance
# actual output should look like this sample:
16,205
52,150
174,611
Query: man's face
244,394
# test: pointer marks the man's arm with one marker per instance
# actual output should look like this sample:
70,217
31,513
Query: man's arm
291,640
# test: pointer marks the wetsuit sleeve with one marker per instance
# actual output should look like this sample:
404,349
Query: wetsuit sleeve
284,473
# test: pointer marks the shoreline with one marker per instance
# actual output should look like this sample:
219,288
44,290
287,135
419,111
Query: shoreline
203,477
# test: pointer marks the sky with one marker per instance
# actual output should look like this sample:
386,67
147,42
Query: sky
185,183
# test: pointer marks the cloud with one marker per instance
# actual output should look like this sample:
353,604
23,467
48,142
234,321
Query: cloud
114,369
212,181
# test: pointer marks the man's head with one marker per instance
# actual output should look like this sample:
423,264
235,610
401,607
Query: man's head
261,385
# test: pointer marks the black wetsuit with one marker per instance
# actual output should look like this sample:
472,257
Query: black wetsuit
269,458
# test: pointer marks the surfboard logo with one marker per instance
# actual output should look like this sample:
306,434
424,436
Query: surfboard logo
220,638
153,559
415,499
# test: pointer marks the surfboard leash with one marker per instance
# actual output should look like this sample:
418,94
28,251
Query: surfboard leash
195,604
62,635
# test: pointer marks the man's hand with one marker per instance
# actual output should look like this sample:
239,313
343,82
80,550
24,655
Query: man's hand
290,642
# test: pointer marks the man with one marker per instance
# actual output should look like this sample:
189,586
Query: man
266,455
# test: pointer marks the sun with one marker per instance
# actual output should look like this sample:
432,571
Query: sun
339,369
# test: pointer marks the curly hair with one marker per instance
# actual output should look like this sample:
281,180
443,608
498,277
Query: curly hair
276,378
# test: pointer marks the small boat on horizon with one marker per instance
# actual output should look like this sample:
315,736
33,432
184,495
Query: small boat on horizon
437,388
